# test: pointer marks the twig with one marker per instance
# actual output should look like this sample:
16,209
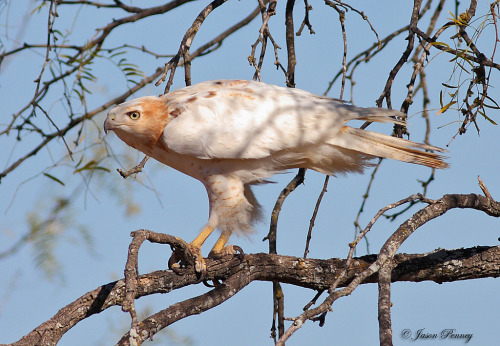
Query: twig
386,94
278,305
484,188
118,4
134,170
314,300
306,20
363,202
264,34
315,213
361,13
50,29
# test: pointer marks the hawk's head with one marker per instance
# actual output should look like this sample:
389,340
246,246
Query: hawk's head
139,122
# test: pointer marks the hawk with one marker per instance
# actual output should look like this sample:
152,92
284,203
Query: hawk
231,134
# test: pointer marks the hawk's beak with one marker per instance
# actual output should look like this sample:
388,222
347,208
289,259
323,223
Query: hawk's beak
108,123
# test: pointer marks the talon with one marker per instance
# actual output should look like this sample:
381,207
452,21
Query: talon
216,283
228,250
239,252
188,254
173,261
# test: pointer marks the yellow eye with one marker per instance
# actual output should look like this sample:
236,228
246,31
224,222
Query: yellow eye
134,115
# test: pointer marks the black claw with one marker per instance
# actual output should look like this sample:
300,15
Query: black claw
239,251
200,276
207,284
216,283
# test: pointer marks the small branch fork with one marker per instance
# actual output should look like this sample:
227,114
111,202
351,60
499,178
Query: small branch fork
264,34
132,272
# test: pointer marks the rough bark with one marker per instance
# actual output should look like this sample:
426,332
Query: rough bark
439,266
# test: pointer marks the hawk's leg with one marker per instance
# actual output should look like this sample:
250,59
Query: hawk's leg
220,249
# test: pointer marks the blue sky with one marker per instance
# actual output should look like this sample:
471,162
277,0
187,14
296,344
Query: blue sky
172,203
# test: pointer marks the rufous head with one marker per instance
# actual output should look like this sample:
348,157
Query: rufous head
139,122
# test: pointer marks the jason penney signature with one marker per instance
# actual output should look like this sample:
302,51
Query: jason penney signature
422,334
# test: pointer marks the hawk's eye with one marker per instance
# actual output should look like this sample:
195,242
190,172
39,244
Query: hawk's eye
134,115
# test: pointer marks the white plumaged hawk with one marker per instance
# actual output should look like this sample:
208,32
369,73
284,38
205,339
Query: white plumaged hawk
230,134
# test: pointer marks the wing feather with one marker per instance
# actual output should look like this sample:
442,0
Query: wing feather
250,120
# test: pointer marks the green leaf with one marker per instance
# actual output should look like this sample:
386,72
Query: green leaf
487,118
492,107
440,44
79,162
445,108
116,54
91,165
54,178
463,68
39,8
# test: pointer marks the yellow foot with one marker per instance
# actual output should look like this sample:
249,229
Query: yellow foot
228,250
188,254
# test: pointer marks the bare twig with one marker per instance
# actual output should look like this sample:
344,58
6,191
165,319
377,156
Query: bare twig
365,196
278,299
386,94
484,188
315,213
262,37
306,20
134,170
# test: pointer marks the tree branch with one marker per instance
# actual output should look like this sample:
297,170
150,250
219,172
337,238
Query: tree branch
438,266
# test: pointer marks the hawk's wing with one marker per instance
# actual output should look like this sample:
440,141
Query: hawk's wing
245,119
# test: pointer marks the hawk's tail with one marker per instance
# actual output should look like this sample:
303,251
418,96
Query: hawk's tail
380,145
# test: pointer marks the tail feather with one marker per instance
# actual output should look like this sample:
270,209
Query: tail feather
378,115
380,145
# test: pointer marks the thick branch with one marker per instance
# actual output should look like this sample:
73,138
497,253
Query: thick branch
438,266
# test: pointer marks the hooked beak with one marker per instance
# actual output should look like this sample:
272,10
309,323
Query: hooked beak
109,123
